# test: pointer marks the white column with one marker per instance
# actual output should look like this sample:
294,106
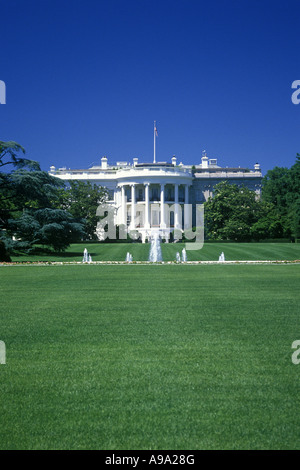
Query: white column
123,206
176,215
162,206
132,224
186,194
147,212
186,208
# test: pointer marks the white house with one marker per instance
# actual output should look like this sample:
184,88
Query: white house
160,196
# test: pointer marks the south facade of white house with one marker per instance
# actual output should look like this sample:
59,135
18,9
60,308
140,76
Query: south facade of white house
160,197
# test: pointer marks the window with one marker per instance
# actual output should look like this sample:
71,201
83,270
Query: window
154,194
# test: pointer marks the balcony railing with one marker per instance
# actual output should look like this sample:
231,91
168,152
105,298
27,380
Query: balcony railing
158,169
157,199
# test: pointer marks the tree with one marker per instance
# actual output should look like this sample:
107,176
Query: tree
269,223
231,212
55,228
235,214
293,200
275,186
81,200
10,155
27,200
4,256
281,186
25,187
294,219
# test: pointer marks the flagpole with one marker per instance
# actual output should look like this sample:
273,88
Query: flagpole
154,154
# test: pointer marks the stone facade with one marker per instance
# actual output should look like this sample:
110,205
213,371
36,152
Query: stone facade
160,196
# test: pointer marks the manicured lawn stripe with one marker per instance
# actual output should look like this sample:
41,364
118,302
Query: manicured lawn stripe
155,357
140,252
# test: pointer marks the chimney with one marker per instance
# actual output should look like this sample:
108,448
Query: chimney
257,167
135,161
174,160
52,169
104,163
204,160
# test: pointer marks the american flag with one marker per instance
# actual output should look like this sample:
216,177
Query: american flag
156,133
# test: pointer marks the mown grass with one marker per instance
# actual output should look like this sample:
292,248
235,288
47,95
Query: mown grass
149,357
140,252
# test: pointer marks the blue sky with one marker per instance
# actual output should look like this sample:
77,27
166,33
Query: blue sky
87,78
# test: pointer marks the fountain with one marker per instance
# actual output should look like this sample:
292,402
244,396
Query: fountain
89,259
128,258
177,257
155,249
85,256
184,256
222,257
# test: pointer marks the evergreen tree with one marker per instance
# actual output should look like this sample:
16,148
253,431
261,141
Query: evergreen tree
28,197
53,228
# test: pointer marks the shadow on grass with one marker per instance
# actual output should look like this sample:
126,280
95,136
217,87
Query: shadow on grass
54,254
67,254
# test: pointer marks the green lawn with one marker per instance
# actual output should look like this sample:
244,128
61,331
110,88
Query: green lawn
149,357
209,252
